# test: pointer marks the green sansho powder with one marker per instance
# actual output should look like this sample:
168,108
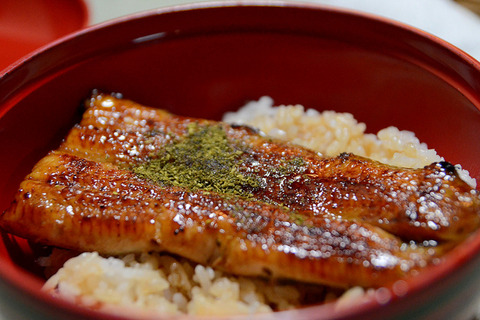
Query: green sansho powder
204,159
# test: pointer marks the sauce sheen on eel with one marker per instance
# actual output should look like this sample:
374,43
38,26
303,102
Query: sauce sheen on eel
130,178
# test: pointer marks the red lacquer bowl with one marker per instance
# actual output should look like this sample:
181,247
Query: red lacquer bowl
29,24
203,60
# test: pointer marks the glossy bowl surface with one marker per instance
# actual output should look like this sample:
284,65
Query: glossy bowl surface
29,24
203,60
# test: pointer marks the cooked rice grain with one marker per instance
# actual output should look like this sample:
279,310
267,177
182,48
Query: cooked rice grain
153,283
331,133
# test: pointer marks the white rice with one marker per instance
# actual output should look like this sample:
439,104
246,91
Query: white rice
153,283
161,284
331,133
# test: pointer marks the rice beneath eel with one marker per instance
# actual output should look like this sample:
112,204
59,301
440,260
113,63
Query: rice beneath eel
153,283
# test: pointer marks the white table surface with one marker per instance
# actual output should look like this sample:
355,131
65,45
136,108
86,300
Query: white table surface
442,18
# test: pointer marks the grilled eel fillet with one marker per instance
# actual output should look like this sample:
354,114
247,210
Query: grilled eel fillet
341,221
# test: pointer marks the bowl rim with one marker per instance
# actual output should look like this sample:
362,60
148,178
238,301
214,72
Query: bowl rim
210,4
465,252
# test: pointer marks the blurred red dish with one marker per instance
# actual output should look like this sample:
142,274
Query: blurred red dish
204,60
29,24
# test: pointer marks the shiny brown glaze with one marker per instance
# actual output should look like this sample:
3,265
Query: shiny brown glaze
341,221
431,203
